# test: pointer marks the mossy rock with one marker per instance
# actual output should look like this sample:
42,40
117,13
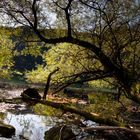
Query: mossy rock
30,93
6,131
59,132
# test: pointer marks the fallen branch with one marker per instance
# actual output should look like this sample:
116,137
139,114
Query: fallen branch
65,107
115,128
85,114
48,83
129,133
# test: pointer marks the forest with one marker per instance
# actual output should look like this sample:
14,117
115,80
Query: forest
69,69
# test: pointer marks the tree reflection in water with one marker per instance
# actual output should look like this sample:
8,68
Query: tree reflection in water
31,126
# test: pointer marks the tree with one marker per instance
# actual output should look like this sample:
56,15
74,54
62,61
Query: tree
109,29
6,56
72,60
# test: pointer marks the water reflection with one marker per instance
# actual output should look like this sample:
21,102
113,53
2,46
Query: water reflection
31,126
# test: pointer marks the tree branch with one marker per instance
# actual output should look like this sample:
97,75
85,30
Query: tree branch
101,128
48,83
34,9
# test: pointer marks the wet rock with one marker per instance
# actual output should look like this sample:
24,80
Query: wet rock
30,92
6,131
60,132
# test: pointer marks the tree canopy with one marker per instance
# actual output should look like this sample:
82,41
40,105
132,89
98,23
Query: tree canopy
107,28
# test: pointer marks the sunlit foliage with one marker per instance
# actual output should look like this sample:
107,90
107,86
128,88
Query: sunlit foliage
71,60
46,110
6,56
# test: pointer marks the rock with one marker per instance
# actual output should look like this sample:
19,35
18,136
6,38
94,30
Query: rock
60,132
30,92
6,131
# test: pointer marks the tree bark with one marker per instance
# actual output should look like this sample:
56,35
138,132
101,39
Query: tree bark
48,83
100,128
131,133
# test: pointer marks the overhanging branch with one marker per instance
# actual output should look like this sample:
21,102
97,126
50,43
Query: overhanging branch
88,77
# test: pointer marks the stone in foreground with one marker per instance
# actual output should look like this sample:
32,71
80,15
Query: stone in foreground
60,132
30,93
6,131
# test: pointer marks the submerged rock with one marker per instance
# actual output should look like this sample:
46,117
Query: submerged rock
30,92
6,131
59,132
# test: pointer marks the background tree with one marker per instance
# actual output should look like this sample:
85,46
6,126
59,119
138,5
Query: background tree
6,56
74,63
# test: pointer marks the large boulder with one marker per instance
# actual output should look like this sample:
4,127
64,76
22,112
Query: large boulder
6,131
60,132
30,93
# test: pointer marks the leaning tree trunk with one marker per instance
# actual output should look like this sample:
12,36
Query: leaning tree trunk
133,93
87,115
48,83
